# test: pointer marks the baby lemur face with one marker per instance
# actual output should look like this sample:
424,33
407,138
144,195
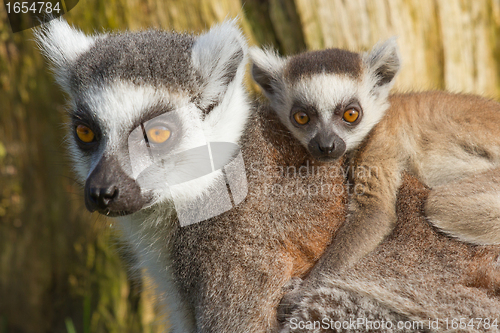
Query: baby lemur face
329,99
141,106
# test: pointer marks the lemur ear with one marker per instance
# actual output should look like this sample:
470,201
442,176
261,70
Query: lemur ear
219,57
382,63
267,71
62,45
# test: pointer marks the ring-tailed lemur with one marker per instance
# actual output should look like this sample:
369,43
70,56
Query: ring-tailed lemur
153,95
337,102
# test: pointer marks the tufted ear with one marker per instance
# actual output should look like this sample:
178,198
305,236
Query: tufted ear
382,64
218,57
267,71
62,45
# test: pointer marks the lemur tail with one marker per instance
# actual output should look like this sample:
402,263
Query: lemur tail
468,209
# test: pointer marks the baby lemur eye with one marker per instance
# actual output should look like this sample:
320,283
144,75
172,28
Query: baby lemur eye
158,134
351,115
84,133
301,117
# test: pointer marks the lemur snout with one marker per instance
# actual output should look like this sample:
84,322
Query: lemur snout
110,191
102,197
328,147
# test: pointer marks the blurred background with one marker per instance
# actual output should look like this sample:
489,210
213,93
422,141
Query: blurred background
63,269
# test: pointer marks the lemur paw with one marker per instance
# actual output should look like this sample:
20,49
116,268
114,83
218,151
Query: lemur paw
332,304
293,295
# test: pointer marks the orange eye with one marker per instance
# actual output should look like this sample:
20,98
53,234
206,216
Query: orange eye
158,134
301,118
351,115
84,133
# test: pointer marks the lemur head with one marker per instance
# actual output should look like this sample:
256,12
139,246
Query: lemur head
330,99
138,101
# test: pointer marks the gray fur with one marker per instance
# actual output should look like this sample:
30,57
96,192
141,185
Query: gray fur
337,304
148,57
268,73
225,274
421,133
415,274
325,87
384,61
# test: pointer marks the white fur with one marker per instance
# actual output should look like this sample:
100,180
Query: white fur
429,165
272,66
117,107
120,104
385,54
468,209
226,122
326,91
210,55
62,45
148,235
373,97
456,220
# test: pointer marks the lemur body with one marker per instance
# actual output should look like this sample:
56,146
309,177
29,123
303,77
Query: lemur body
336,102
416,271
225,274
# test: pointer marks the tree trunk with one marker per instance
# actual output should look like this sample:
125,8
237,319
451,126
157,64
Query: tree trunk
58,263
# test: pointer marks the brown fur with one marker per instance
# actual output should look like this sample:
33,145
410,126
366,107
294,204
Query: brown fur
231,269
239,261
415,274
330,61
417,135
411,137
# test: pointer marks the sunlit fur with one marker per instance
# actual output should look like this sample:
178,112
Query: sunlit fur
118,105
232,267
62,45
433,136
450,142
325,91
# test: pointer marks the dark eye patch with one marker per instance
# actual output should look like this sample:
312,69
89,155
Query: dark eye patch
341,107
171,121
81,116
157,118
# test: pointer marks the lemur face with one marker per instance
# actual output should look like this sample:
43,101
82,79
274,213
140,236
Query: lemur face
139,102
330,99
125,135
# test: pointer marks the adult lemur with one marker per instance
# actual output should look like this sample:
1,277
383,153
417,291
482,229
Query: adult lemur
337,102
152,95
179,91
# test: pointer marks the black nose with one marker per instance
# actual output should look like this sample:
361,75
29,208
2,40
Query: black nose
326,149
101,198
326,146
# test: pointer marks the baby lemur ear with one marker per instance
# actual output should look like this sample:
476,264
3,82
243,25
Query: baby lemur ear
382,63
62,45
219,56
267,71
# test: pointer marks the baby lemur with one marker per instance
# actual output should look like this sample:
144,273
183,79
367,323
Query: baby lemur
337,102
140,104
